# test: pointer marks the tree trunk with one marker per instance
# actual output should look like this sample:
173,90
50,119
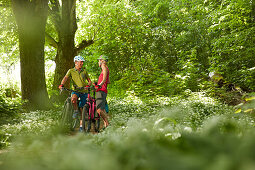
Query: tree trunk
64,18
31,20
66,47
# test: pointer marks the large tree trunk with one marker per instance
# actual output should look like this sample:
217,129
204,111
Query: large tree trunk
31,20
66,47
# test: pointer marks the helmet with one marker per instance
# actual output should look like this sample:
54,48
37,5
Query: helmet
103,57
78,58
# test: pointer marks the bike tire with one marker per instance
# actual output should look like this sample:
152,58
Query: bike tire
66,114
63,115
74,124
85,118
89,121
89,125
97,122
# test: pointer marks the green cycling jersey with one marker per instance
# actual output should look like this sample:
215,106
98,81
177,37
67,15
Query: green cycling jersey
79,78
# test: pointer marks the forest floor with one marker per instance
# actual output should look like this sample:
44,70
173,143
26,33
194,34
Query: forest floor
191,132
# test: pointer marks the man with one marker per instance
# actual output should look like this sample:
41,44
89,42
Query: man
80,79
101,88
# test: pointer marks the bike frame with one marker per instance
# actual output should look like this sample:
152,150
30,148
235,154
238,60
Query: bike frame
91,101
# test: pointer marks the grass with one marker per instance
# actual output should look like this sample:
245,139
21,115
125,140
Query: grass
191,132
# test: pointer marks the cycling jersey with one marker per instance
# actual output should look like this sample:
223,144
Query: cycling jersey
79,78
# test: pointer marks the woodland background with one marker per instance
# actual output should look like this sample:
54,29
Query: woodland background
182,70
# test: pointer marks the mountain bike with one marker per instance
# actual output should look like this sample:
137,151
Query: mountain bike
66,118
90,112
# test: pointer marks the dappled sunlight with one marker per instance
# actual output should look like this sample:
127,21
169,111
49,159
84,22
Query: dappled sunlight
132,98
11,75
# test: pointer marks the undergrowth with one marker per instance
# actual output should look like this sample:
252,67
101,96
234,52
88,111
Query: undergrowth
189,132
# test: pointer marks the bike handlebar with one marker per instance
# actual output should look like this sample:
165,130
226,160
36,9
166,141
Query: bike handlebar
91,87
63,88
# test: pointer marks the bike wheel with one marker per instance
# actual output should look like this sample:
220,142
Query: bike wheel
89,118
85,114
97,122
74,124
89,125
67,113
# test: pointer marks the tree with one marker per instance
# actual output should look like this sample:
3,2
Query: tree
233,44
8,38
63,17
31,20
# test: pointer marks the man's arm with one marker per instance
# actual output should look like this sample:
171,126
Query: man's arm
89,81
88,78
64,80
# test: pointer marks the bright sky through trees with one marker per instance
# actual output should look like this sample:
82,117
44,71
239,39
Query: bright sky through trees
11,74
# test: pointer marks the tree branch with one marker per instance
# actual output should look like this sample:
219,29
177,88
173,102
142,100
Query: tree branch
51,40
55,14
83,45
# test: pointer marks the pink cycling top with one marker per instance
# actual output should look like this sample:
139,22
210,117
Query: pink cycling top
100,79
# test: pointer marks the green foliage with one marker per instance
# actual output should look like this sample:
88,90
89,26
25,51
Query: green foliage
181,39
8,38
10,106
232,44
189,132
169,39
50,66
150,40
10,103
36,123
156,48
233,97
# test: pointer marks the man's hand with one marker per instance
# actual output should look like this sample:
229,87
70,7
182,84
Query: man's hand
97,87
61,86
86,87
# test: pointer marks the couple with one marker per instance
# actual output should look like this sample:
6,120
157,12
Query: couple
80,78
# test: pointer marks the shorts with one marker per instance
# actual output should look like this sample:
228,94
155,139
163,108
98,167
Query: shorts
83,98
101,99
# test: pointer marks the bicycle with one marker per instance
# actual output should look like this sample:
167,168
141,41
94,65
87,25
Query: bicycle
67,113
89,113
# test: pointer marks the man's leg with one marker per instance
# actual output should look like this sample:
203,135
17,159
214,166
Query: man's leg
74,101
83,98
75,105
